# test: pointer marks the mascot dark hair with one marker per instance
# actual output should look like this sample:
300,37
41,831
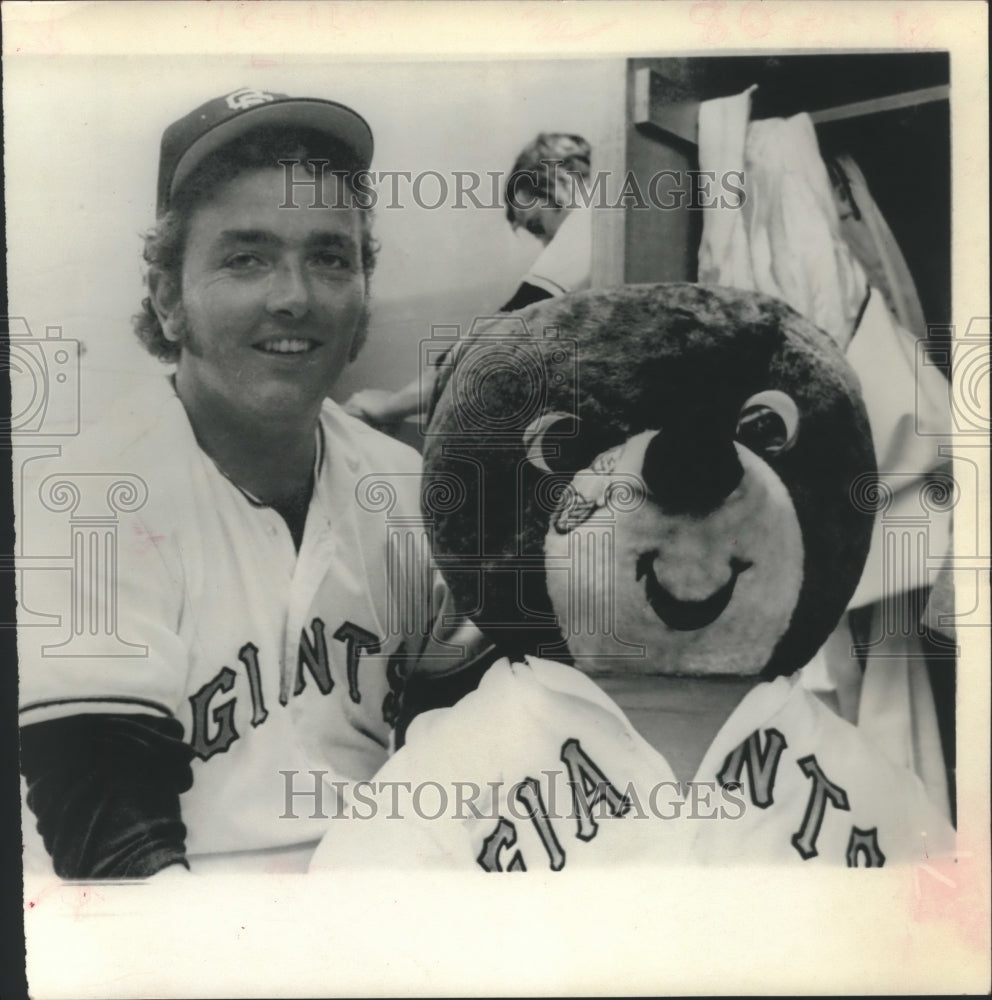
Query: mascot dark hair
655,502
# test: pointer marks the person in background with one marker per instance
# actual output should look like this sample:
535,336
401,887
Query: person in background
543,196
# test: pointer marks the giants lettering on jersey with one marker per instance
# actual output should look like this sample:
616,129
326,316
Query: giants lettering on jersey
214,727
590,787
762,766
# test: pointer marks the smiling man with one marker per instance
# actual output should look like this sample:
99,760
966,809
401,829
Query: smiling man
249,648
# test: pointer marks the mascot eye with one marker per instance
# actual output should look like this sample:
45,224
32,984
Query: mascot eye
550,442
769,423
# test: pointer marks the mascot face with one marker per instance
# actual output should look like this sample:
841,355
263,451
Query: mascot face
652,479
700,594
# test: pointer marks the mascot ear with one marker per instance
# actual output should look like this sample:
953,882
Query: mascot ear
550,442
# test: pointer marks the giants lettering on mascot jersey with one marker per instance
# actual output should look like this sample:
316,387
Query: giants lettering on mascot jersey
762,767
214,728
590,787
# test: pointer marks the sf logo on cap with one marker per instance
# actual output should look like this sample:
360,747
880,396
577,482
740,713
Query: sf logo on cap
247,98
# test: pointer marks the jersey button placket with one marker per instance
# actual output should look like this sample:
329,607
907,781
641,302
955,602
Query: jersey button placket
315,557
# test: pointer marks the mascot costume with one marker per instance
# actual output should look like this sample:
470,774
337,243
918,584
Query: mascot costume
656,501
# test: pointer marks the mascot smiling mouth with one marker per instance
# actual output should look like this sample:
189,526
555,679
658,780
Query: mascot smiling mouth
686,616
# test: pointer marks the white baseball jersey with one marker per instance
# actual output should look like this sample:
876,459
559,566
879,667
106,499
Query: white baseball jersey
275,662
539,769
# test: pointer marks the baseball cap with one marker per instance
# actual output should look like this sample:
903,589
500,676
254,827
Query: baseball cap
187,142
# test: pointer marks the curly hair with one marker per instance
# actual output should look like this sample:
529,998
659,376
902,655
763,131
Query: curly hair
165,243
541,167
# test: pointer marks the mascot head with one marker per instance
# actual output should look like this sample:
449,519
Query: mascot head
659,479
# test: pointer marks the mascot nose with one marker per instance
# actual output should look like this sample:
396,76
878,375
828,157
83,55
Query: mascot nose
691,469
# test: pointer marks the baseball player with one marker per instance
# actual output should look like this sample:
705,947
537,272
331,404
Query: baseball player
243,640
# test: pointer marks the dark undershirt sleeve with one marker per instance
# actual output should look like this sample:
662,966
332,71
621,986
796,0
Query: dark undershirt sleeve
524,296
105,791
425,692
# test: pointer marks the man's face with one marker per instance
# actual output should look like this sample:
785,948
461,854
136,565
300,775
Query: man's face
272,299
